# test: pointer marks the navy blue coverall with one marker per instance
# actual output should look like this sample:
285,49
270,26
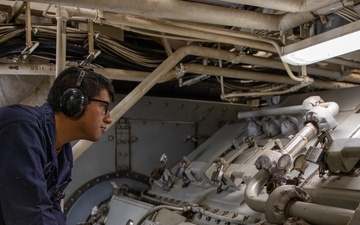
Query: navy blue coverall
32,175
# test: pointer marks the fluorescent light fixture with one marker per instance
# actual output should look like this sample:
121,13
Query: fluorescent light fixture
324,46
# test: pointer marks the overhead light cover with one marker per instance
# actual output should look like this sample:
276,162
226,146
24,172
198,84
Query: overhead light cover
324,46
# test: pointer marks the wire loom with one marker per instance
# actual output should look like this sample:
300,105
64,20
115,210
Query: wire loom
114,53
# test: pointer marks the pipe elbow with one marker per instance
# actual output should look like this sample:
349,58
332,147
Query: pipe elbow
278,201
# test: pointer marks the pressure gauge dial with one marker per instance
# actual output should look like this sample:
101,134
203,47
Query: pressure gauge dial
300,163
284,161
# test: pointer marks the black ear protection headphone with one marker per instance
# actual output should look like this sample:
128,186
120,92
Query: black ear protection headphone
73,101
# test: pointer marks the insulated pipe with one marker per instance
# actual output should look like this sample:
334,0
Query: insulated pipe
276,64
324,195
320,214
292,201
286,5
250,75
194,12
119,110
77,13
61,18
34,69
271,112
138,76
28,28
331,106
344,62
264,93
225,36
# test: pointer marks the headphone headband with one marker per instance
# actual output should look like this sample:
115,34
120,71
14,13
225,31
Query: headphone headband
80,78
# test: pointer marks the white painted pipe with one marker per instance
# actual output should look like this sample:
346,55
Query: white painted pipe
286,5
320,214
194,12
61,19
266,77
226,36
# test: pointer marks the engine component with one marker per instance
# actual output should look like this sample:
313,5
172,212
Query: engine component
278,201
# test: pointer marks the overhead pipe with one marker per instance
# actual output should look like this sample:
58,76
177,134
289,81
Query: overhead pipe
270,112
30,45
62,15
76,13
288,6
194,12
170,4
202,13
33,69
345,62
138,8
276,64
118,20
294,88
108,18
297,109
28,28
138,76
250,75
83,14
61,19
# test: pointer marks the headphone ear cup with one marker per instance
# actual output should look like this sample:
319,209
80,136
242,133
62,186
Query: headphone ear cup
73,102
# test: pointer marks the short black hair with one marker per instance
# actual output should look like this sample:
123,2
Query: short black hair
91,85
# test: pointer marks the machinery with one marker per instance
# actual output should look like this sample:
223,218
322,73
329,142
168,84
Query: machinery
290,164
226,112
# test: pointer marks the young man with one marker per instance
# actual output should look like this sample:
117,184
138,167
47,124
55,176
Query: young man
35,151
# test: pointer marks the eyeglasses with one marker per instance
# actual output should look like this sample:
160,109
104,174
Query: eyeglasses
105,105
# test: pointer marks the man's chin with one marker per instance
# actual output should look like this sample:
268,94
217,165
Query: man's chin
93,139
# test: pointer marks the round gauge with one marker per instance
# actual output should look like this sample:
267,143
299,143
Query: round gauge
284,161
276,99
300,163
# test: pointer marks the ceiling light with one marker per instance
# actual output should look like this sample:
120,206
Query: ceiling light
324,46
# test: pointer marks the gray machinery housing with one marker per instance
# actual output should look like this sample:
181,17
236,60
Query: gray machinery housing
211,163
